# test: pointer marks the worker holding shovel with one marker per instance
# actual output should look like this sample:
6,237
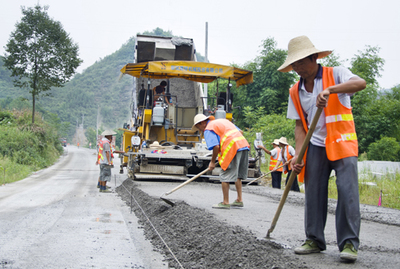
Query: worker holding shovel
286,157
333,145
277,173
227,142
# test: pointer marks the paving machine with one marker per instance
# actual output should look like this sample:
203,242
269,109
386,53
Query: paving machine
158,142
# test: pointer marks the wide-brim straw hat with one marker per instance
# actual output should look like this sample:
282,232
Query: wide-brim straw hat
283,140
299,48
155,144
276,142
197,119
108,132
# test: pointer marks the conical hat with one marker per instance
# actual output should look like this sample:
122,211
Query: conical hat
299,48
108,132
197,119
282,140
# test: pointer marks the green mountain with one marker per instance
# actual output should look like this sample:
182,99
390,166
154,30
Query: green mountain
98,88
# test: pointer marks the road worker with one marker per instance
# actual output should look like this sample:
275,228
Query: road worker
333,145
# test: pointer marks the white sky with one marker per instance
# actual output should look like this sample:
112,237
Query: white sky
235,28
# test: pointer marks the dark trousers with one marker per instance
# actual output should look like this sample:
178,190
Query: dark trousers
295,185
276,179
348,220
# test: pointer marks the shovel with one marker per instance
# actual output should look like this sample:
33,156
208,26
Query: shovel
263,176
180,186
294,174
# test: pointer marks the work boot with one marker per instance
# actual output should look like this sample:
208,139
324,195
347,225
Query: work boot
107,191
308,247
349,253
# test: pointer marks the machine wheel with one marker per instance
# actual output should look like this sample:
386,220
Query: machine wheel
167,143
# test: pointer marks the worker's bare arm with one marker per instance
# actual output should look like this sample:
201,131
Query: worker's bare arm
353,85
300,135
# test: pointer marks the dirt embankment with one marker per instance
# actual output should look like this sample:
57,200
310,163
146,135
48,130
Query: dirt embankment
197,239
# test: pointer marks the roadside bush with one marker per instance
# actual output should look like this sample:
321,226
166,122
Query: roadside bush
385,149
272,126
26,143
11,171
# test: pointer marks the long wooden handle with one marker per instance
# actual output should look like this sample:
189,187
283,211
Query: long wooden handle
294,174
187,181
263,175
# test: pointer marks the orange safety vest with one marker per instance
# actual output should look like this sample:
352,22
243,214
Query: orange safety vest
101,147
273,162
231,139
288,158
341,139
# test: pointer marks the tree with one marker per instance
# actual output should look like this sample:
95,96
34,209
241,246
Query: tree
40,54
331,60
368,65
270,88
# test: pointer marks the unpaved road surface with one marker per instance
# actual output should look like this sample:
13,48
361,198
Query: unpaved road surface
58,219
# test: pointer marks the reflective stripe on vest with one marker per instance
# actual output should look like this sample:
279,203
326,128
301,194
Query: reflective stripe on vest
339,122
228,148
230,140
100,154
340,117
288,158
273,162
341,139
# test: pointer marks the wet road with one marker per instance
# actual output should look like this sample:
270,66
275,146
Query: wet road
57,218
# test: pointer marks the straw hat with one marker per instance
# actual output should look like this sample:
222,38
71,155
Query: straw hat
108,132
155,145
276,142
282,140
299,48
197,119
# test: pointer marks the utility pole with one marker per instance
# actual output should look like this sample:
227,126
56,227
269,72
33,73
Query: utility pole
97,123
206,55
83,116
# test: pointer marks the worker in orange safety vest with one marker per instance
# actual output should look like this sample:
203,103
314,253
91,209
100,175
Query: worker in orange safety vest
104,159
277,174
333,145
228,144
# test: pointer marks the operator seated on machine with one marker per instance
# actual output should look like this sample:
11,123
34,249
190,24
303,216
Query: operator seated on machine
159,92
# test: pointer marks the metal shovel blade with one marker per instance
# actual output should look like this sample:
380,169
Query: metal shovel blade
167,201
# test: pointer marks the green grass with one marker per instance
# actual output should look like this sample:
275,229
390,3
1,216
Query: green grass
11,171
370,188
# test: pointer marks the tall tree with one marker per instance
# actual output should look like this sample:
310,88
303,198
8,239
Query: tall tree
40,53
368,65
271,87
331,60
369,118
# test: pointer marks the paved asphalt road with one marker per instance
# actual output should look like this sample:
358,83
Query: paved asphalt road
57,218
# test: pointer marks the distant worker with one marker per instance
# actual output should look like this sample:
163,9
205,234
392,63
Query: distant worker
333,145
78,145
276,174
227,142
104,158
90,145
159,91
285,157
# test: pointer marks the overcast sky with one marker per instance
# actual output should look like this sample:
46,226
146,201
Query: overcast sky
235,28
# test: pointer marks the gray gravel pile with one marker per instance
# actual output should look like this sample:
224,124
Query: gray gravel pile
197,239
